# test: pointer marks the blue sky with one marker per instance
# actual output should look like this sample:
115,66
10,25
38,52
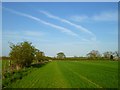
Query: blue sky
73,28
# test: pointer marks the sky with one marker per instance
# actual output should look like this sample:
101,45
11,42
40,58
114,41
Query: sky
74,28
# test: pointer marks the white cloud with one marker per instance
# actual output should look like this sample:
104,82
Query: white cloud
62,29
103,16
82,29
68,31
106,16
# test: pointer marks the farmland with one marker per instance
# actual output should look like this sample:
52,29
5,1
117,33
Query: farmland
71,74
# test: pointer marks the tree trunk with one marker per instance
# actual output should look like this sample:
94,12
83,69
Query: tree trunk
18,67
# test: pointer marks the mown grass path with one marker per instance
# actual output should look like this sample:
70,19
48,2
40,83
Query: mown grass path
69,74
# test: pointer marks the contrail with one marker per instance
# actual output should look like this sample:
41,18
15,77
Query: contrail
82,29
62,29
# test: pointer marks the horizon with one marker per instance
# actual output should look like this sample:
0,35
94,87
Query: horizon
72,28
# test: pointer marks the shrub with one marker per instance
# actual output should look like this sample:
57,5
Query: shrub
22,54
11,77
5,82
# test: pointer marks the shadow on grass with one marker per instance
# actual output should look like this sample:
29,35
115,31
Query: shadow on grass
17,75
37,65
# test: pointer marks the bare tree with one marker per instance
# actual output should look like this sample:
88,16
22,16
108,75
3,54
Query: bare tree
108,55
116,55
94,54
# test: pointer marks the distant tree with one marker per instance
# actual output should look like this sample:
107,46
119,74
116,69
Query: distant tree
22,54
107,54
61,55
94,54
111,57
75,57
116,55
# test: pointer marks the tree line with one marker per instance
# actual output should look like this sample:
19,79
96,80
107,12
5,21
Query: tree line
24,54
94,55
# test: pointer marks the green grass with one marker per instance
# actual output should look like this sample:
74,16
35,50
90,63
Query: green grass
71,74
5,64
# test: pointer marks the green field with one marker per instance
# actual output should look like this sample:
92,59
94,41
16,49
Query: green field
5,64
71,74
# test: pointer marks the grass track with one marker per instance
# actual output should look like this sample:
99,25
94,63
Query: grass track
70,74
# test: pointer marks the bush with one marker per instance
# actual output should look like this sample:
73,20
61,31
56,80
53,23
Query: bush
12,77
5,82
22,54
7,75
17,75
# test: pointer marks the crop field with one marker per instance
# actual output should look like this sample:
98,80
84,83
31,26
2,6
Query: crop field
71,74
5,64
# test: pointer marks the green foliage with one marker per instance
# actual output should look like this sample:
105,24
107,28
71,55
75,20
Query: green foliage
11,77
5,82
17,75
22,53
60,55
39,56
